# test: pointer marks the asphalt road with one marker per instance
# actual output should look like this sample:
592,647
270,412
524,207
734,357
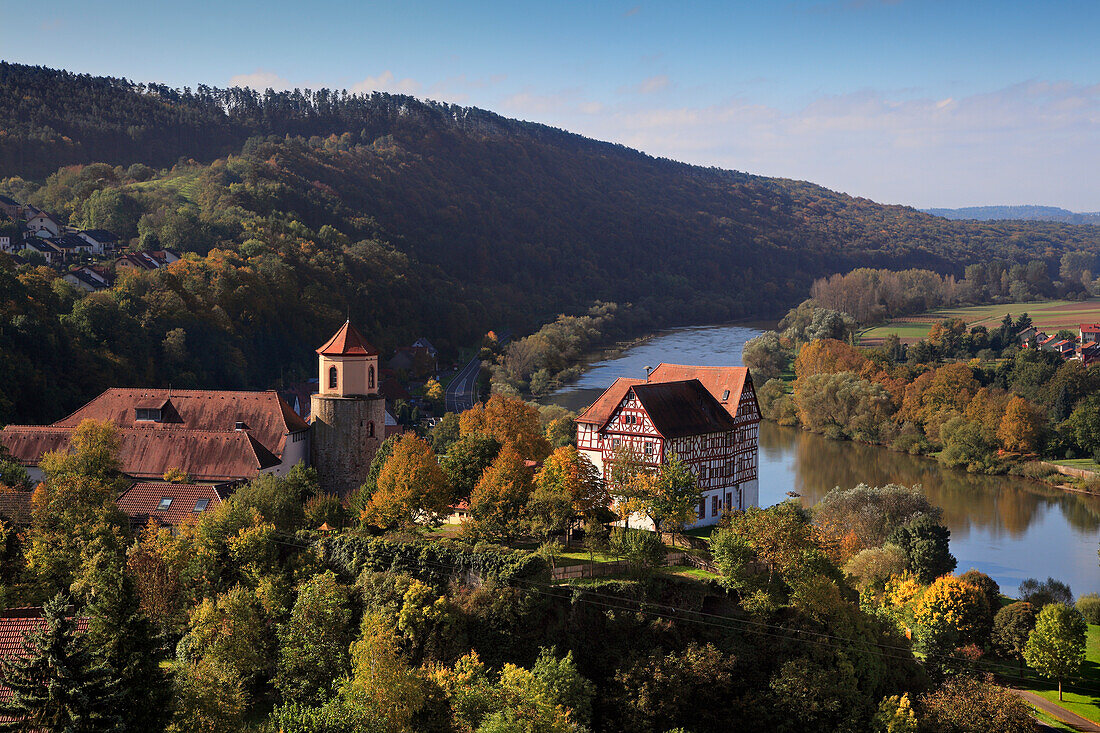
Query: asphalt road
461,391
1073,720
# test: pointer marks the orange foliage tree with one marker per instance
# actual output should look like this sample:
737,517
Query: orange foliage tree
1021,428
828,356
508,419
498,501
411,487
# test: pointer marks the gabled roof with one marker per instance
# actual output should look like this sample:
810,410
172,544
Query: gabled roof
100,235
7,200
149,452
45,215
679,409
69,241
141,501
600,411
725,383
347,342
1090,328
267,416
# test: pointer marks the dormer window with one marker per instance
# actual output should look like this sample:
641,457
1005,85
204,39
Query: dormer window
201,504
725,395
164,504
148,414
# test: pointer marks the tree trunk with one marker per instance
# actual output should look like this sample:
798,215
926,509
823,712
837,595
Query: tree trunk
1059,690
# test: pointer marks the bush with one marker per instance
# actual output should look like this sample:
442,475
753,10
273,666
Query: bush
969,705
638,546
1089,606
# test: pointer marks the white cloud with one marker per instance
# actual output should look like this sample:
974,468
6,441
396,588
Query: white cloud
1032,142
261,80
386,82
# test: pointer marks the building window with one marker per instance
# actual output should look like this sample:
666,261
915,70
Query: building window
703,509
370,378
729,500
144,414
649,448
370,429
614,442
201,504
714,506
332,377
164,504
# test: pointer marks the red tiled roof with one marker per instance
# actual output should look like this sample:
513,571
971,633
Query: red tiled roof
1090,327
718,380
267,416
347,342
204,455
679,409
600,411
141,500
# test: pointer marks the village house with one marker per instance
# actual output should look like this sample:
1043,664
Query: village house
212,436
42,246
153,260
42,224
170,504
91,278
707,416
12,208
102,241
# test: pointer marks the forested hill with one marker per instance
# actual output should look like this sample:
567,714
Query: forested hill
1023,213
419,218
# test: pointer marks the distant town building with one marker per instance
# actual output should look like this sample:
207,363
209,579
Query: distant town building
707,416
43,224
348,413
170,505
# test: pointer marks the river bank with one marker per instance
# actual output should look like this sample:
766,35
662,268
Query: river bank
1008,527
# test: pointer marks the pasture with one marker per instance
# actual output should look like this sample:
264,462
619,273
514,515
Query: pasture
1048,315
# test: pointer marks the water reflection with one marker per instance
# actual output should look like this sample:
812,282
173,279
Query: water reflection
1006,527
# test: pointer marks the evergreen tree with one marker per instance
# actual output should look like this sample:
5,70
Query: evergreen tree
58,685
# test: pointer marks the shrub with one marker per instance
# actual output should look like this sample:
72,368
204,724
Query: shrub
638,546
1050,590
1089,606
969,705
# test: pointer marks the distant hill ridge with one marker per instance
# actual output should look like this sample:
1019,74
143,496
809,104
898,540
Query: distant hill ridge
1017,213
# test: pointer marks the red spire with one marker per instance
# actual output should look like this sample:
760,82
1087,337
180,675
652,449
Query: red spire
347,342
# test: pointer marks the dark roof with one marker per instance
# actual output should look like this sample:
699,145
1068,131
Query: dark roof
100,235
347,342
141,501
679,409
725,383
15,506
69,241
8,201
84,277
600,411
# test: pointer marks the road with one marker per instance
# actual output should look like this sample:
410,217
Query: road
462,389
1071,719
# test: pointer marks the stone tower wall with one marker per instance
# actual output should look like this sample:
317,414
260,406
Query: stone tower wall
342,447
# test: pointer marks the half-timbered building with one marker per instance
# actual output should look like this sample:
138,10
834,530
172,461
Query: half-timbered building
708,416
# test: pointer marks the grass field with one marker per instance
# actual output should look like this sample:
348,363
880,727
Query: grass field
1083,696
1049,316
1085,464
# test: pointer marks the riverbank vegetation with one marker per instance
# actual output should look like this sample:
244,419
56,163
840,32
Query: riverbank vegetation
973,397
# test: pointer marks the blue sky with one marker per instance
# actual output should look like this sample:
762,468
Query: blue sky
922,103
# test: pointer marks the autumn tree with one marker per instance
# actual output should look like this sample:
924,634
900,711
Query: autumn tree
950,614
965,704
411,487
567,486
1021,428
314,641
508,419
1056,646
499,500
828,356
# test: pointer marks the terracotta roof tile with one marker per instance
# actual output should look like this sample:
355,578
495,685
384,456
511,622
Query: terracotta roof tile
725,383
15,506
15,624
347,342
142,501
600,411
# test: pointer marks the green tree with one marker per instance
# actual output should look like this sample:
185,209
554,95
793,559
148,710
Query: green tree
895,715
466,461
1012,626
926,544
233,632
671,500
209,696
314,641
1056,646
58,685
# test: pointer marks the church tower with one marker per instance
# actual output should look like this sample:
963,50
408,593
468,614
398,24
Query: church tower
349,412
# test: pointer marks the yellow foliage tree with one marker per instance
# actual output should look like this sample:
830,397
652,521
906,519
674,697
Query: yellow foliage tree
498,501
1021,428
951,605
828,356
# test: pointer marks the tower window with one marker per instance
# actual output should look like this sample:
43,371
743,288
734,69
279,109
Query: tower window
370,378
370,429
332,377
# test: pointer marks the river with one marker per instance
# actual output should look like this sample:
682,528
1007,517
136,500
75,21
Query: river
1008,528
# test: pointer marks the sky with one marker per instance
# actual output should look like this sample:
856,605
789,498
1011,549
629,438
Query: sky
929,104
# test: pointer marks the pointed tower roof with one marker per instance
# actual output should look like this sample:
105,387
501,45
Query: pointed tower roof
347,342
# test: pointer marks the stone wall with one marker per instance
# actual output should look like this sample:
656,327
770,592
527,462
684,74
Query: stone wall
341,446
